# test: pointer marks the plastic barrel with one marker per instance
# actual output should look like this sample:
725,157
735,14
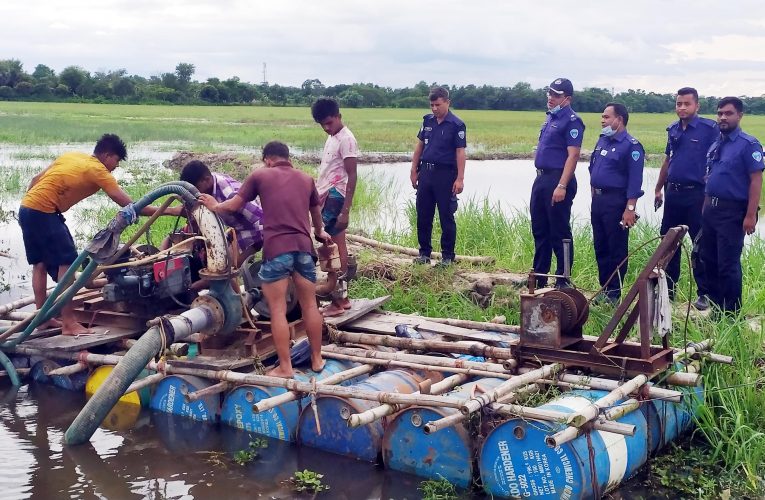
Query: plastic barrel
280,422
363,442
169,398
99,375
515,461
74,382
447,453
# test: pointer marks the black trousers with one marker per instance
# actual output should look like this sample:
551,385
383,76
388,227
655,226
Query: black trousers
611,241
550,224
683,208
434,190
721,244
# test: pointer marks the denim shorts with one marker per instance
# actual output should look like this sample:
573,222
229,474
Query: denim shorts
333,205
282,266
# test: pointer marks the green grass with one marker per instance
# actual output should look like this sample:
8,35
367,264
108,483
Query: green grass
213,128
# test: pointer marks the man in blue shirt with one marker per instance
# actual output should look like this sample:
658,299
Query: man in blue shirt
734,183
682,178
560,141
616,176
438,171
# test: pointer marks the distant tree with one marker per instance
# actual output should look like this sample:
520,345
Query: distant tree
351,99
44,74
123,88
184,72
170,80
74,78
24,89
7,92
61,90
42,91
11,72
312,88
209,93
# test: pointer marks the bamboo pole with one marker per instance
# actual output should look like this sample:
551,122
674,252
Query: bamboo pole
478,325
417,358
378,412
415,366
571,381
591,411
513,410
254,379
474,348
570,433
413,251
18,315
190,397
145,382
21,371
689,377
718,358
458,418
19,303
338,378
68,370
476,403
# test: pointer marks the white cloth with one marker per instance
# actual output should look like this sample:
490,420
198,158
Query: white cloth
332,172
662,312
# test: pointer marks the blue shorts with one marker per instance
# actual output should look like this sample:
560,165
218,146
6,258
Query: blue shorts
46,239
282,266
333,205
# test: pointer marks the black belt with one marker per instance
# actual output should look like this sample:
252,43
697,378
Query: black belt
600,191
544,171
714,201
426,165
675,186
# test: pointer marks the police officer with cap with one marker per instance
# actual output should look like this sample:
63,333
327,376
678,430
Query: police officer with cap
553,191
734,184
438,171
616,176
682,179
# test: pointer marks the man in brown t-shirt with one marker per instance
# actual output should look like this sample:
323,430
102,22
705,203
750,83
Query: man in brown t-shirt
287,196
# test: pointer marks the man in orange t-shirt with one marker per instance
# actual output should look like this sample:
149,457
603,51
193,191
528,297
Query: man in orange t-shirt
49,246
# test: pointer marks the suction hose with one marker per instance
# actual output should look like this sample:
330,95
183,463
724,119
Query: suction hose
127,370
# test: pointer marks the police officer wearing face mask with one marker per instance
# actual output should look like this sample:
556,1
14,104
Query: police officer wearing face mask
552,194
682,178
616,176
734,184
438,172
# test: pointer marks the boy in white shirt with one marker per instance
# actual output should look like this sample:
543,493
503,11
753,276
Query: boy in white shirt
336,184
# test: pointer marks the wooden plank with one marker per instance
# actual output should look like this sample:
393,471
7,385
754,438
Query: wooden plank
111,318
359,308
103,335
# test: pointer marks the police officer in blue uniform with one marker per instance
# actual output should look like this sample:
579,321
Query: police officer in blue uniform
734,184
438,171
553,191
616,176
682,179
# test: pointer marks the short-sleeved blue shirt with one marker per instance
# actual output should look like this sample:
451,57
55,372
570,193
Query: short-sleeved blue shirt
687,150
730,162
617,163
559,131
441,140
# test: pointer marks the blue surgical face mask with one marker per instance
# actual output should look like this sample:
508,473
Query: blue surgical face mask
607,131
555,109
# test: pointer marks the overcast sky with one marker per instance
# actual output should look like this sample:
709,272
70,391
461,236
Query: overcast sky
660,45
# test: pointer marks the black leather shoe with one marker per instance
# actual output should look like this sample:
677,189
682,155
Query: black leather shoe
422,259
445,262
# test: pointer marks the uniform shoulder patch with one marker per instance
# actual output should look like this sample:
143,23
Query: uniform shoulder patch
636,155
634,141
757,156
461,134
574,133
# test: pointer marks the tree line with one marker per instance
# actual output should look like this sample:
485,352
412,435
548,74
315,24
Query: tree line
75,84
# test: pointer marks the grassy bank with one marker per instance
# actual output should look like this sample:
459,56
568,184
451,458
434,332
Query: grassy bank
215,128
